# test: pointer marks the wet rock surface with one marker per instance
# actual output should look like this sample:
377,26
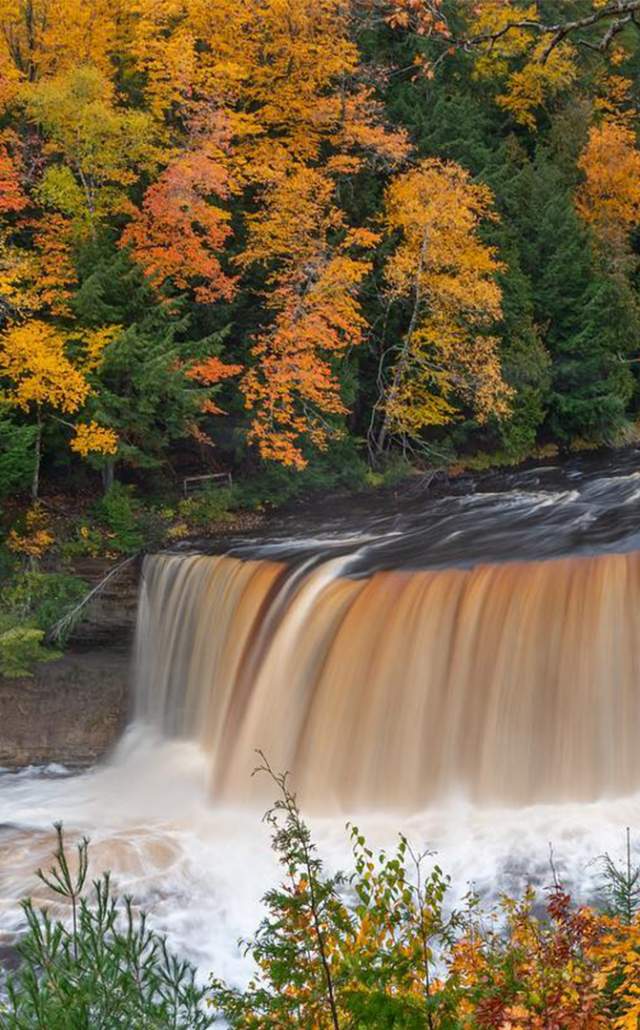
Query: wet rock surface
71,711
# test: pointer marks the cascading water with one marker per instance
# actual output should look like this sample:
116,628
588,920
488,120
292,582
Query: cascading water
428,671
513,683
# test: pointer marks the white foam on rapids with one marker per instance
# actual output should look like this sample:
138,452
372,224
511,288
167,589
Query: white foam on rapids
200,870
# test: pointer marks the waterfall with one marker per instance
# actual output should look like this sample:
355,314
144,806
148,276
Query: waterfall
509,683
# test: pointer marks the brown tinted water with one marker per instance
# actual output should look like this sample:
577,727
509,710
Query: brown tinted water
506,684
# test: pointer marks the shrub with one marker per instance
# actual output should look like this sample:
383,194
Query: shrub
20,649
207,509
32,602
107,968
335,953
128,525
271,486
117,510
394,469
153,524
40,599
32,537
383,950
87,541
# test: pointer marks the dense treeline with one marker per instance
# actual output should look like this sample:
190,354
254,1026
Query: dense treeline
242,232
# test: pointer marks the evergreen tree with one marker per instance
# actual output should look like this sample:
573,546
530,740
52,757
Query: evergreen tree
525,359
145,392
587,320
16,455
142,386
592,380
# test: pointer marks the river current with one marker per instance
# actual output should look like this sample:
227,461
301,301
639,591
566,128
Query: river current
460,668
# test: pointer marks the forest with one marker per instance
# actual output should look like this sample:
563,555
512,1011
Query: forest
239,235
310,243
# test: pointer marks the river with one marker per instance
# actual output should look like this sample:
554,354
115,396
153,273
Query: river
462,667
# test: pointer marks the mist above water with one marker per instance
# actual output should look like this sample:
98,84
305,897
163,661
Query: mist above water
200,869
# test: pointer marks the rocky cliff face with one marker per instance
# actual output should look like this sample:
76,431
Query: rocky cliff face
72,710
110,618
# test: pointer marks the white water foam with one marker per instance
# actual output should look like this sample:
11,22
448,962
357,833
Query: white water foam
200,870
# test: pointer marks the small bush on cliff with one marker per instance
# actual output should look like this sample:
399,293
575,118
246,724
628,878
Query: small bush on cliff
119,513
31,603
40,598
20,649
103,967
126,525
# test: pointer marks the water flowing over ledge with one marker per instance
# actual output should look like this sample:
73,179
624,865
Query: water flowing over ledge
502,684
405,668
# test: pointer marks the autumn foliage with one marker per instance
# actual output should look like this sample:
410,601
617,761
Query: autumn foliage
386,946
179,233
609,198
449,275
255,199
321,264
12,196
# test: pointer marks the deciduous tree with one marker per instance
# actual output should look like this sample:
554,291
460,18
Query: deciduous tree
320,265
446,275
95,147
40,378
609,197
180,232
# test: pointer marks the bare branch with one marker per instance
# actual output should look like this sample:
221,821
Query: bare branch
614,18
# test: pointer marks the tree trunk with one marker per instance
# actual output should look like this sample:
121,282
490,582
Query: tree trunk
35,482
404,358
108,474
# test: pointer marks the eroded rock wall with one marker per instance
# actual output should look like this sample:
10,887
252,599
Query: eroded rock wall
72,710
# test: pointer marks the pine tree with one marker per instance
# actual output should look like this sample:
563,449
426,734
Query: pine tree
143,386
525,360
592,380
145,392
587,319
16,455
